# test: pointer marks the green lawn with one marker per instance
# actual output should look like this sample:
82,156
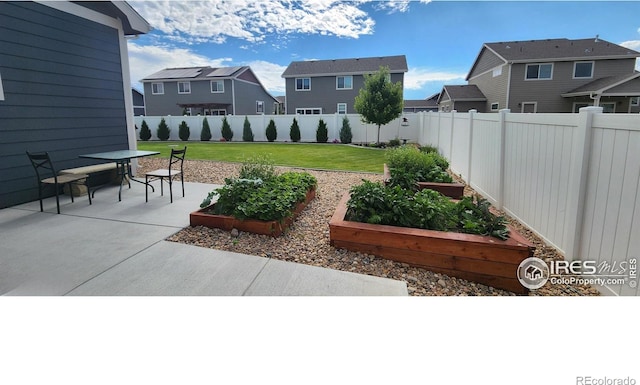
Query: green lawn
306,155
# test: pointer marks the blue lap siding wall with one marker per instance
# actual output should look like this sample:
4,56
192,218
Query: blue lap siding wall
63,86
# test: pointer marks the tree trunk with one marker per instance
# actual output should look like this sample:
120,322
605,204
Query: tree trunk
378,142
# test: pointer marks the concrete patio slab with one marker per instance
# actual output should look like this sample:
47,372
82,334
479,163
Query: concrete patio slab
114,248
286,278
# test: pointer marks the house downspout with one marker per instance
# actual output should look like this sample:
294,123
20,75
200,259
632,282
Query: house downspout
233,96
508,87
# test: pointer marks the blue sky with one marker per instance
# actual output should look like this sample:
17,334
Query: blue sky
440,39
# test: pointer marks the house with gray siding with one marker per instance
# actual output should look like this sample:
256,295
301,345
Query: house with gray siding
138,102
330,86
421,105
207,91
556,75
461,99
65,86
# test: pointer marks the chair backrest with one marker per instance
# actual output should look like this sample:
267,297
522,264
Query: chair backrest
177,156
41,162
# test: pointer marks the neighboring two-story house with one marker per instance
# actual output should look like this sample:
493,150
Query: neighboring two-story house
553,75
207,91
330,86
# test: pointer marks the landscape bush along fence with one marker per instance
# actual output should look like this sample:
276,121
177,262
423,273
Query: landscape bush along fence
574,179
362,133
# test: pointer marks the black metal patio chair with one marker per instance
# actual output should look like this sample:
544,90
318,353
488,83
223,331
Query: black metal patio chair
176,160
47,175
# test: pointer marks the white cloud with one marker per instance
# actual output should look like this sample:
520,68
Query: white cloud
250,20
416,78
270,75
145,60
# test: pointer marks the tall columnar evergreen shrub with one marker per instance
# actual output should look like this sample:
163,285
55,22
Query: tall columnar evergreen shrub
345,132
183,131
272,132
294,132
322,134
227,134
205,134
145,132
163,130
247,133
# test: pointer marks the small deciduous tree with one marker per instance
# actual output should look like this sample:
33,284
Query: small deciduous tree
247,133
205,134
227,133
294,132
183,131
145,132
271,132
322,134
163,130
379,100
345,132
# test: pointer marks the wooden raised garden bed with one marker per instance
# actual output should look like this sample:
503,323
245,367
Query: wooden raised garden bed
272,228
477,258
451,190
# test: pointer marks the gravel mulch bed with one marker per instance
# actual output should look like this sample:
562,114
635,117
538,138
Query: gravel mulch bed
307,241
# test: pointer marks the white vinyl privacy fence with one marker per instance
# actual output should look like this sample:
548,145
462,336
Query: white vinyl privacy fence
574,179
362,133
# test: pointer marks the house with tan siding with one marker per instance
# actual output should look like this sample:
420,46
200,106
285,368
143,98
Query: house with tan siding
556,75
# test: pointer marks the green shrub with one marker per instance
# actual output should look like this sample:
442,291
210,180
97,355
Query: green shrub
394,142
183,131
345,132
227,133
322,135
260,166
430,148
247,133
163,130
271,200
409,165
272,132
294,131
426,209
145,132
205,134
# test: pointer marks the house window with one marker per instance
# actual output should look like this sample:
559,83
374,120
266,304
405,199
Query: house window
495,106
187,111
303,84
344,82
157,88
259,107
635,102
308,111
539,71
215,112
184,87
583,70
217,86
342,108
497,71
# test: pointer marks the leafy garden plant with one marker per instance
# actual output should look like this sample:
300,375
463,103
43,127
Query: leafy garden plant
267,200
426,209
409,165
259,192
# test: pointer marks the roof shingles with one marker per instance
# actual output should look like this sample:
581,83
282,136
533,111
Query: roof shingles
346,66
